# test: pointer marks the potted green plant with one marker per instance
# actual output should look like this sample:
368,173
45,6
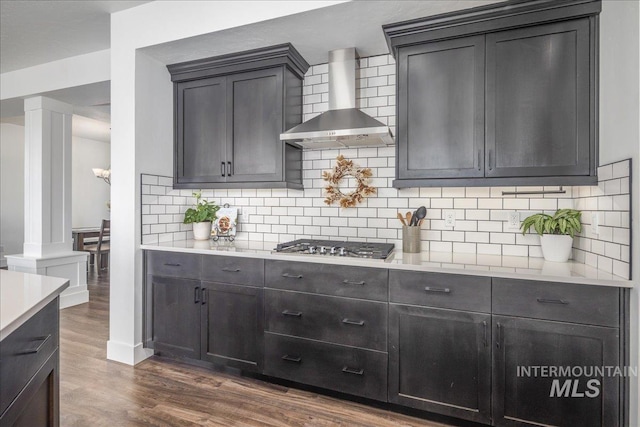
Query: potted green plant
556,232
201,216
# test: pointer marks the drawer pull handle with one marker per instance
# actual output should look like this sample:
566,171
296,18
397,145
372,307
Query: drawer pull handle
168,264
353,322
499,337
292,276
292,313
39,347
231,270
204,296
351,282
442,290
294,359
348,370
552,301
196,294
484,326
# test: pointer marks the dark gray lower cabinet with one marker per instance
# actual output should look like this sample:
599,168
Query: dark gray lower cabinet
176,316
522,398
440,361
29,372
232,325
460,345
213,322
349,370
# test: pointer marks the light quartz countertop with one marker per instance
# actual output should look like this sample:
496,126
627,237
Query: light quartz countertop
22,295
510,267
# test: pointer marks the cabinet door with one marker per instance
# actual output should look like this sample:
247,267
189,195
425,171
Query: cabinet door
520,398
176,316
201,134
441,109
254,149
232,325
538,101
440,361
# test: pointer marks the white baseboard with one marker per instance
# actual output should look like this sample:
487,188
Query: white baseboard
128,354
75,297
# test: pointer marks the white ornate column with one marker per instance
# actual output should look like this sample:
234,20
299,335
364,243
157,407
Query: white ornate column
48,246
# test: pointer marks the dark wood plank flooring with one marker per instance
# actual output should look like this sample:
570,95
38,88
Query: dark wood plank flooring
97,392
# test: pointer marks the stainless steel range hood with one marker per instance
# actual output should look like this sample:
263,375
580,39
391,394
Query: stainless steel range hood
343,125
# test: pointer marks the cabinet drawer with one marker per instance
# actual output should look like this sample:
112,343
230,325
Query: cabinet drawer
337,320
593,305
25,350
328,279
173,264
345,369
233,270
455,291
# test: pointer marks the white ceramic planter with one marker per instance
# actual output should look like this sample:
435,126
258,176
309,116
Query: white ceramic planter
556,247
202,230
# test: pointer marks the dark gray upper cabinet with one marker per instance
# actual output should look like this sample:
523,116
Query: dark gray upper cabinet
229,113
441,109
538,101
202,108
502,94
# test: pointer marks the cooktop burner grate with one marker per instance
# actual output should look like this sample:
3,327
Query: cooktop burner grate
337,248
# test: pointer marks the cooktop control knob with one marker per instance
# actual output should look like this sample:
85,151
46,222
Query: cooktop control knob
342,252
323,250
333,250
312,249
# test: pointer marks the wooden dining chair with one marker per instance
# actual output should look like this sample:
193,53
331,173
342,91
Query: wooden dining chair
102,248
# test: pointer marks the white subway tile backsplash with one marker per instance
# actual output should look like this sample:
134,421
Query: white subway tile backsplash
481,212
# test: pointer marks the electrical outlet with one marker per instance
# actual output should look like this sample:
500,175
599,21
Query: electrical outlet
595,223
244,212
513,221
449,218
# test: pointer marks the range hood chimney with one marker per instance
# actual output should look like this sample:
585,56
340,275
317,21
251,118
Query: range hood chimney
343,125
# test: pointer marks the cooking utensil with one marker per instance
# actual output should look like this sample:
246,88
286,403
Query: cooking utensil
419,214
408,216
401,218
420,222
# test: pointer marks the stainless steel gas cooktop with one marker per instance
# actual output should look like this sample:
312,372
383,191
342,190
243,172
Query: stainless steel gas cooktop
337,248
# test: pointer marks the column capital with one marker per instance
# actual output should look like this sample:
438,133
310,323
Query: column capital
44,103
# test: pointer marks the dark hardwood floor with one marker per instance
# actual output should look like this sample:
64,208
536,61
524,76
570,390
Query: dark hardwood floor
97,392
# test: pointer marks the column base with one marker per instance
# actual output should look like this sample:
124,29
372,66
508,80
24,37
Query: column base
71,265
128,354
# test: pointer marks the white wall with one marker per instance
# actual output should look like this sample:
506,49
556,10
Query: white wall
11,189
89,195
620,133
133,29
69,72
145,26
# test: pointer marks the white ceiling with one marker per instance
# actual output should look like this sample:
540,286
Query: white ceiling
34,32
314,33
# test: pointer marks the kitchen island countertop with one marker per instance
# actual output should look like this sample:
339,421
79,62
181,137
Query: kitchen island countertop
512,267
22,295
